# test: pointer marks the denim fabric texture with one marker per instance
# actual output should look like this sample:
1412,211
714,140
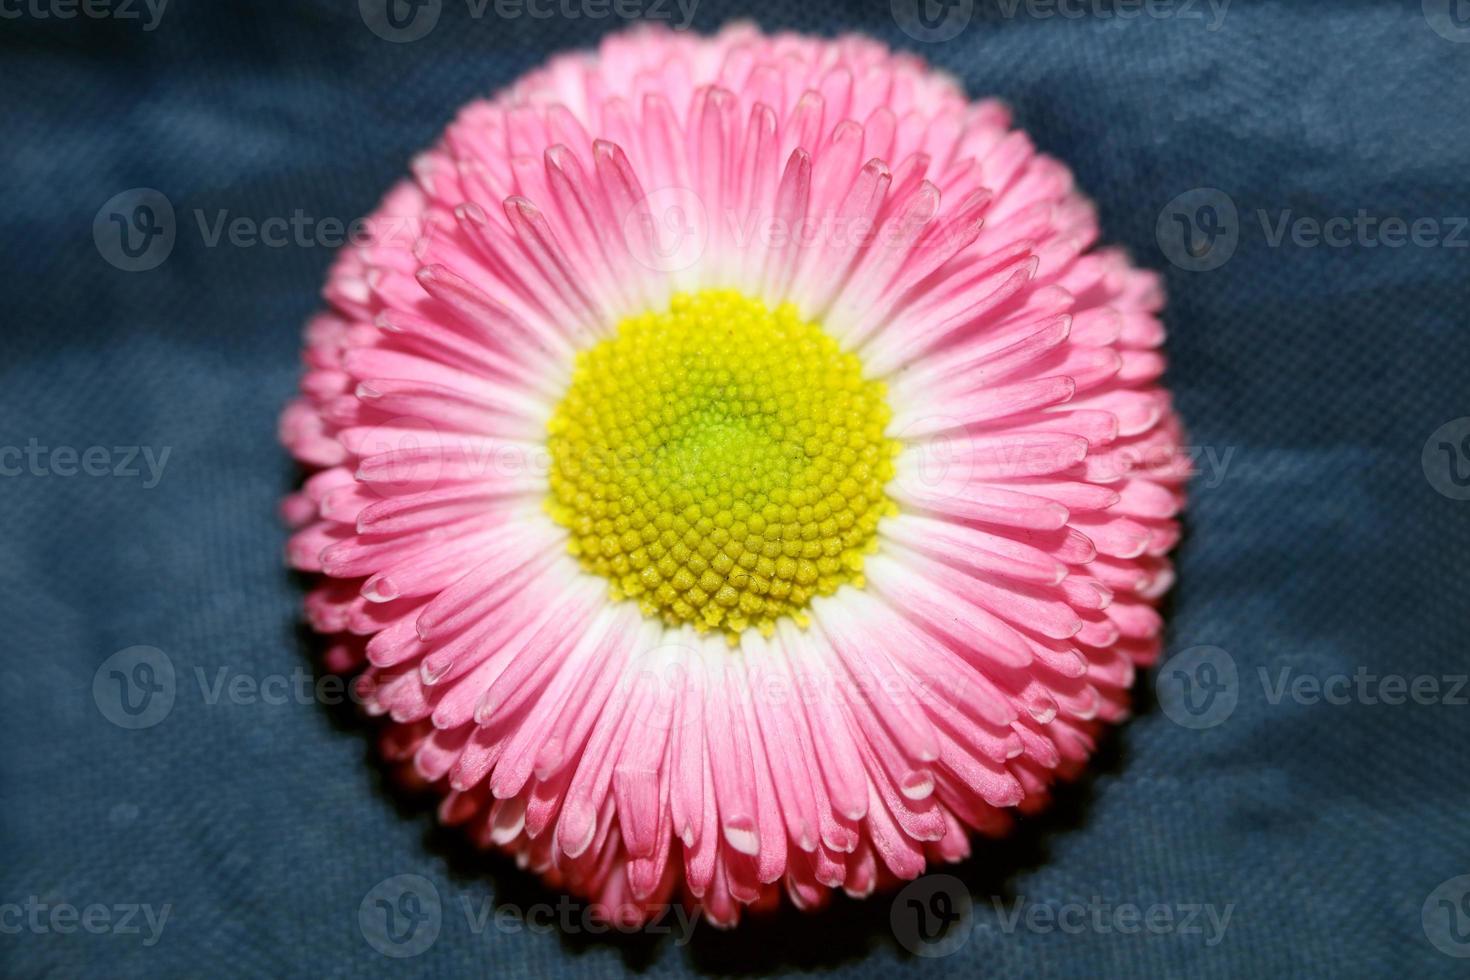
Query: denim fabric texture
1291,769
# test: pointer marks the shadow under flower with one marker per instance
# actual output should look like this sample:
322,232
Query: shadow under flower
495,894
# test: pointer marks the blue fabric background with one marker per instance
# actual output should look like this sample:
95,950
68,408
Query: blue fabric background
1321,548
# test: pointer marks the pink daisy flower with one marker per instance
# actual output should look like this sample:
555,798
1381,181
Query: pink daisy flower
736,472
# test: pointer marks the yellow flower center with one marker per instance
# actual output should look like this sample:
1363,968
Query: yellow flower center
720,463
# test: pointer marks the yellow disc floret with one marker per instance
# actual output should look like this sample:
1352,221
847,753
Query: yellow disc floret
720,463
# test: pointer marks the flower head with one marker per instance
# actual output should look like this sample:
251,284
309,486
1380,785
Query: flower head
737,471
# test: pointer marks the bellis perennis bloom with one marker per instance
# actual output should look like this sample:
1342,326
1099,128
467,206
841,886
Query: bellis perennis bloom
737,471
